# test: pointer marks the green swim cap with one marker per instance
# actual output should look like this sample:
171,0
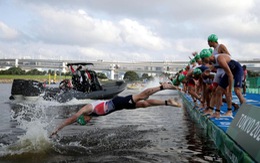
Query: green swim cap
181,77
192,61
211,50
175,82
213,38
81,120
197,57
197,71
205,53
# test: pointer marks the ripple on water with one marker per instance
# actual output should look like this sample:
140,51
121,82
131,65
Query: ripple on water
158,134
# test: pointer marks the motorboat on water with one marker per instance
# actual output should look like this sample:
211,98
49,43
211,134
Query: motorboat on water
84,84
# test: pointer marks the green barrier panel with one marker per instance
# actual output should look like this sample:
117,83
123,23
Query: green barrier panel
229,148
253,85
245,129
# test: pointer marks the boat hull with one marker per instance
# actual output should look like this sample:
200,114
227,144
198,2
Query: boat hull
34,89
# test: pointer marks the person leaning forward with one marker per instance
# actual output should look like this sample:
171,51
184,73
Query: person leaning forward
233,72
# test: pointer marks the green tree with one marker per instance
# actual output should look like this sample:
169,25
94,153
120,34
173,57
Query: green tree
34,72
51,72
252,73
145,76
15,71
131,76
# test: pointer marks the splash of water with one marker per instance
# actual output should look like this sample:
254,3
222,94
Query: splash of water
45,103
156,82
33,121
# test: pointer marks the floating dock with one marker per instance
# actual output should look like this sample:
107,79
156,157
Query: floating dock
237,137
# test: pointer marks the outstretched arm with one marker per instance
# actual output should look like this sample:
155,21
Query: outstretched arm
67,122
86,109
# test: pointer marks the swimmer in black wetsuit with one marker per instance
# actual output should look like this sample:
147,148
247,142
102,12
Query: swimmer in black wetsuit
101,108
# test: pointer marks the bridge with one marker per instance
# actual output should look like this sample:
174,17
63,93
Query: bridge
113,69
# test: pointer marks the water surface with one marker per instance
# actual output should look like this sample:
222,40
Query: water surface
156,134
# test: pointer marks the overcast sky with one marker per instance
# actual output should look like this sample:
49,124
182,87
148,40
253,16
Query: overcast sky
126,30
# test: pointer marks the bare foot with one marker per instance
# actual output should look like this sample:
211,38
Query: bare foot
202,105
236,106
204,109
228,113
208,112
215,115
176,99
174,103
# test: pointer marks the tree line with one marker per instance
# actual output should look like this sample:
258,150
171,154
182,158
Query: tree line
130,76
19,71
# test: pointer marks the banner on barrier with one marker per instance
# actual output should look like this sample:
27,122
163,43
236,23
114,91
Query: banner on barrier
245,129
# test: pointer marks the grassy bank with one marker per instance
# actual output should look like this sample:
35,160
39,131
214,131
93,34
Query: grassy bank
10,78
42,78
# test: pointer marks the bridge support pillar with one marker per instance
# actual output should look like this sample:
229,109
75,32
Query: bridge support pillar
64,67
112,71
16,63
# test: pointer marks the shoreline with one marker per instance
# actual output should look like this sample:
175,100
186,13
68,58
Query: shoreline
6,81
9,81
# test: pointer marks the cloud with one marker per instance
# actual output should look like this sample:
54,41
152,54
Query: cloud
7,33
73,27
77,27
134,33
123,30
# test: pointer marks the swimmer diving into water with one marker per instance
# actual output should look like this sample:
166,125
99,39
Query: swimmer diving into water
101,108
